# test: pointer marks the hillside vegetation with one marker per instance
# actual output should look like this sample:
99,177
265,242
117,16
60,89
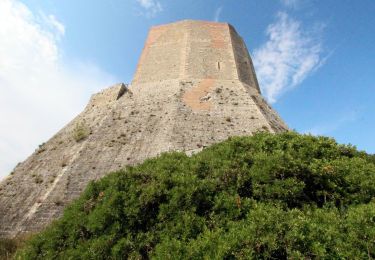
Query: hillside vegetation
266,196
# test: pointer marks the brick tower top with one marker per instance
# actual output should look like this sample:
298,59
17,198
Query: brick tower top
195,50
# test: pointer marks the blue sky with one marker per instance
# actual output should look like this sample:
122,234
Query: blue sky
315,61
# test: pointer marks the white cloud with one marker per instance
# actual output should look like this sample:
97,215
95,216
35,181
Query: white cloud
291,3
151,7
217,14
39,92
297,4
326,128
55,25
287,58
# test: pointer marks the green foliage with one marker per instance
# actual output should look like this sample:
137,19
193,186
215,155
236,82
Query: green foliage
267,196
80,131
8,247
371,158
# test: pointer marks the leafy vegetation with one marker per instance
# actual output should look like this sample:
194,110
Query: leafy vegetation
80,131
8,247
267,196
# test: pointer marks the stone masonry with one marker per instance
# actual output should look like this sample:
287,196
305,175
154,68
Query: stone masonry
194,86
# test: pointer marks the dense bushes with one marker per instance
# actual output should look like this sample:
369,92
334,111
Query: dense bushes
9,246
266,196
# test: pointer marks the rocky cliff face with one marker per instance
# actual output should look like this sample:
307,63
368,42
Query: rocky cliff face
194,86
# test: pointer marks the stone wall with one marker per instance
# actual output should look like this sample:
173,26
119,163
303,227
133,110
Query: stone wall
194,86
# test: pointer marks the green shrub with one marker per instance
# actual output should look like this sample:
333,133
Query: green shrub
80,131
267,197
8,247
371,158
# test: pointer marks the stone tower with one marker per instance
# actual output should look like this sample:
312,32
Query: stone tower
195,85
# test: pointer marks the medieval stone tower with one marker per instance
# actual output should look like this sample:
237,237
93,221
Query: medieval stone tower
195,85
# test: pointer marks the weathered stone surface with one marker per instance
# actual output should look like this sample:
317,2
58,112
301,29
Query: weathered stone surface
194,86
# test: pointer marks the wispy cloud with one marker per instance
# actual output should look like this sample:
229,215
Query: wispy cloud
294,4
39,91
291,3
55,25
151,7
327,128
218,13
290,54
